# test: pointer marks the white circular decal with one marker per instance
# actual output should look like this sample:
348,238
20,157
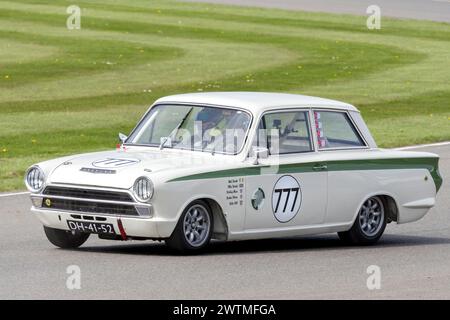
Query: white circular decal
286,198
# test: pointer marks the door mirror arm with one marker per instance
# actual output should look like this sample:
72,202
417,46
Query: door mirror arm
260,153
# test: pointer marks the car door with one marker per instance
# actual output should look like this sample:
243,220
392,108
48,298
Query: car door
291,189
339,138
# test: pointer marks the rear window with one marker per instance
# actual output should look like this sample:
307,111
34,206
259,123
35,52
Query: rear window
335,130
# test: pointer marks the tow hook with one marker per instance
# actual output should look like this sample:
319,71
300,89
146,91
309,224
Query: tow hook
123,234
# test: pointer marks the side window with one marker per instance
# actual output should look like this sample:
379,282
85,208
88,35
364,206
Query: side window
285,132
335,130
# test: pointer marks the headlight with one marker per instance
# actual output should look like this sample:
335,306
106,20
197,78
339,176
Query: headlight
143,189
34,179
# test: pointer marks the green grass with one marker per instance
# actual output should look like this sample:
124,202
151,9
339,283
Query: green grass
65,92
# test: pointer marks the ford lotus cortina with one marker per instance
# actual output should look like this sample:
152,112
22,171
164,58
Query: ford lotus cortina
234,166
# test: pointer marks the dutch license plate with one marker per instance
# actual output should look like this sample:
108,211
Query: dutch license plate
91,227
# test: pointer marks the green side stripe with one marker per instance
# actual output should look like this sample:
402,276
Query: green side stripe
431,164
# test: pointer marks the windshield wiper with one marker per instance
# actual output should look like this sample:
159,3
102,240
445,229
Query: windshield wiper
161,146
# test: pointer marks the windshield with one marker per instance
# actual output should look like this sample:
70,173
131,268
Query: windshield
195,128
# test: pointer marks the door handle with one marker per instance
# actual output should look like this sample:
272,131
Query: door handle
320,167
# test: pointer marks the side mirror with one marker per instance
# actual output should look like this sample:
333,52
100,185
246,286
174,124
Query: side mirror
260,153
122,138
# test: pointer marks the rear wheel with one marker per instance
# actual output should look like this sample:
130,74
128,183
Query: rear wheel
369,224
65,239
194,229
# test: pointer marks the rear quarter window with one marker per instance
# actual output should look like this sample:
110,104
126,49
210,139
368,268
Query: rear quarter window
335,130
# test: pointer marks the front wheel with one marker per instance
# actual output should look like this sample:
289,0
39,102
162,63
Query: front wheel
194,229
369,224
65,239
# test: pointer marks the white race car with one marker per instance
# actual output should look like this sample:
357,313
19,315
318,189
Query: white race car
233,166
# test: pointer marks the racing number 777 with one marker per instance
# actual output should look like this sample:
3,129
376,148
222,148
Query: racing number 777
280,193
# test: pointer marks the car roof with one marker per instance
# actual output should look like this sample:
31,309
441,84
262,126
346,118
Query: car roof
255,101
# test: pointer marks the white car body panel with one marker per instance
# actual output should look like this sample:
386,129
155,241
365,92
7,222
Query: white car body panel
330,198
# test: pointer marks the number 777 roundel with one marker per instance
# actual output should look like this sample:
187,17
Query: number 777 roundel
286,198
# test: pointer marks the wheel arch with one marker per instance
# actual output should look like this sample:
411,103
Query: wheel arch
391,206
220,227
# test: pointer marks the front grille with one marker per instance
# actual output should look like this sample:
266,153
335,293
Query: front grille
88,194
91,207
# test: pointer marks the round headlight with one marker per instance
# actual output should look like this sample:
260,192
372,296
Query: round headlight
34,179
143,189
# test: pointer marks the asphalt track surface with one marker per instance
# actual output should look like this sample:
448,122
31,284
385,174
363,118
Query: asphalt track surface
414,260
437,10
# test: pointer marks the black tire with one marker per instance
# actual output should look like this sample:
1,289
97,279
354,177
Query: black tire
179,239
65,239
356,235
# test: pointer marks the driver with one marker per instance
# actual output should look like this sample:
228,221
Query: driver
210,120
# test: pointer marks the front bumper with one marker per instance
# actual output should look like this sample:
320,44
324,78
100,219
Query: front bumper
57,204
133,227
